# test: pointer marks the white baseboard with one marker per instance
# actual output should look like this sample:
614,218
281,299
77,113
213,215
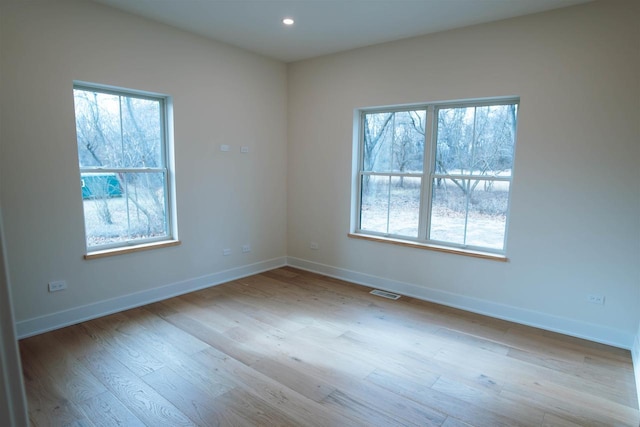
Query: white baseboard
588,331
536,319
75,315
635,356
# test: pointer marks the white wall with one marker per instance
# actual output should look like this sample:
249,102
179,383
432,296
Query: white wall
222,95
575,205
574,222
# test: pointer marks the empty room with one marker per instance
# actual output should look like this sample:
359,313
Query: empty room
320,213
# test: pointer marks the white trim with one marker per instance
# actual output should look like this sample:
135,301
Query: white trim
13,408
428,173
635,356
166,156
563,325
589,331
60,319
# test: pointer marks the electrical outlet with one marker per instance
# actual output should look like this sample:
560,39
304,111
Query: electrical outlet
244,149
226,251
59,285
246,249
225,147
596,299
314,246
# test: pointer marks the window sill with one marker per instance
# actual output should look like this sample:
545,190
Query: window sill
129,249
431,247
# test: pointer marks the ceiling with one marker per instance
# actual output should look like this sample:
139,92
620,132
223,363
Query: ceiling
325,26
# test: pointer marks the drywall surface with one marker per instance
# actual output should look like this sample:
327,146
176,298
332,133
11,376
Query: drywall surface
574,221
221,95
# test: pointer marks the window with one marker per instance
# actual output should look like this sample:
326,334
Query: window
437,174
124,175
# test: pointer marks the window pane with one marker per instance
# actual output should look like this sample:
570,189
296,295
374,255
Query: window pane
470,212
404,210
448,211
408,141
123,207
146,205
476,140
374,211
488,214
104,208
454,140
377,141
142,132
495,130
394,142
98,129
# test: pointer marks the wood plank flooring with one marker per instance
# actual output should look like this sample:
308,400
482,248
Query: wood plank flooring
292,348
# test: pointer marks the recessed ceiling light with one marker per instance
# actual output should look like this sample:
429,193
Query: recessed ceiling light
288,21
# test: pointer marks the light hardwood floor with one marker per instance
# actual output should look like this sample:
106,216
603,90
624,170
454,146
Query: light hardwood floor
291,348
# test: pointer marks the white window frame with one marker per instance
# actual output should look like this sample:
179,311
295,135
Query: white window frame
166,130
427,177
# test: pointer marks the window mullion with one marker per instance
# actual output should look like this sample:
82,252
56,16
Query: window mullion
122,170
391,168
121,132
474,177
167,201
126,205
467,185
388,203
359,186
466,212
397,174
164,157
426,196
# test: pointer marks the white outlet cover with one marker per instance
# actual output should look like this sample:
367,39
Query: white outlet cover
57,286
244,149
596,299
225,147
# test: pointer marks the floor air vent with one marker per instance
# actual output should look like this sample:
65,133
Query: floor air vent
384,294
